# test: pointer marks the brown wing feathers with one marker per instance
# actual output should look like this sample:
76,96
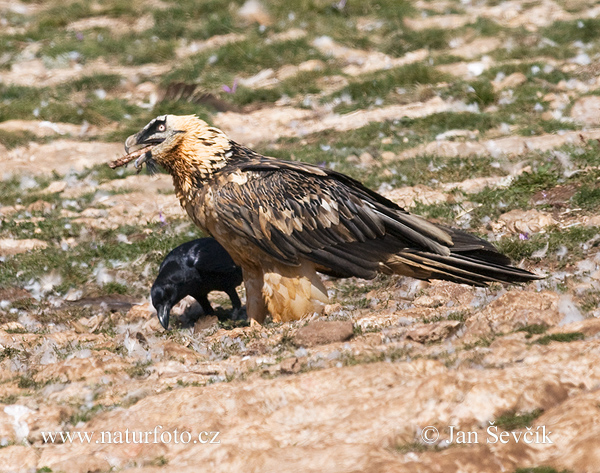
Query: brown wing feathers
349,230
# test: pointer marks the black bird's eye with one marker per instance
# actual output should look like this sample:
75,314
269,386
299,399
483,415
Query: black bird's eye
161,127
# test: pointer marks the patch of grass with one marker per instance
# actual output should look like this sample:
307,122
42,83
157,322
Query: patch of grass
571,238
500,200
27,382
461,316
83,414
540,469
95,81
129,49
533,329
115,288
9,352
523,50
590,300
587,198
379,85
160,461
513,421
564,32
486,27
404,40
527,68
101,246
300,84
58,105
437,123
586,155
560,337
416,447
546,126
12,139
9,399
482,342
433,169
192,20
139,370
391,355
243,58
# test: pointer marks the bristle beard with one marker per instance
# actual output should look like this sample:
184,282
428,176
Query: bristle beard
151,167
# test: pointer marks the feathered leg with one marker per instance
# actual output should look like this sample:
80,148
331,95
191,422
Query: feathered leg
292,293
255,304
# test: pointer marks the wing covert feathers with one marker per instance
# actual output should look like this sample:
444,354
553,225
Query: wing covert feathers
296,211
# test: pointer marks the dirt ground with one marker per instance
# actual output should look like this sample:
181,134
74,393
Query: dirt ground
477,114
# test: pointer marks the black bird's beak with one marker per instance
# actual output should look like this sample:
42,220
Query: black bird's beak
163,316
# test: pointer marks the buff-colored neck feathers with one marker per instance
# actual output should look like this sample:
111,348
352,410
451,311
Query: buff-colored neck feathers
198,152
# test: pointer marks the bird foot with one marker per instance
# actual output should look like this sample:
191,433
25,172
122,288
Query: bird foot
239,314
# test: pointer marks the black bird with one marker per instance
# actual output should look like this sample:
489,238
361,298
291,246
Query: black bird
195,269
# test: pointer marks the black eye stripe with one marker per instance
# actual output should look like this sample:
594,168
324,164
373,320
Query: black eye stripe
153,127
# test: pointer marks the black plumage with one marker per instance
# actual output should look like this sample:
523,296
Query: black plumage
195,269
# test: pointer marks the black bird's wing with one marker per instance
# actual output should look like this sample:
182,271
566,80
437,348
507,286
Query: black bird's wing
208,256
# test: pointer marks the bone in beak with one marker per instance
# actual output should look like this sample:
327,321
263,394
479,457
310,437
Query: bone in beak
139,154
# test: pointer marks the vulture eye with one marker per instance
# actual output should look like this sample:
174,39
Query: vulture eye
161,127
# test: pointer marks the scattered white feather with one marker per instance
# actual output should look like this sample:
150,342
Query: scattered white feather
102,275
17,412
27,183
562,252
571,313
541,252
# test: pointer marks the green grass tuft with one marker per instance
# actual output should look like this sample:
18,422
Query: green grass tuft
513,421
560,337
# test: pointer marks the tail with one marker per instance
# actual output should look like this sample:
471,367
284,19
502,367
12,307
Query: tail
471,261
459,268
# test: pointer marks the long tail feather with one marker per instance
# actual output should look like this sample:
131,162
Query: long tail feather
456,267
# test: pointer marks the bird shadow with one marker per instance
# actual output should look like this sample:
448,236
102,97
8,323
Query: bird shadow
228,318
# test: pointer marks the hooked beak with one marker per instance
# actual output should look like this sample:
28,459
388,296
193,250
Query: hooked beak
132,145
163,316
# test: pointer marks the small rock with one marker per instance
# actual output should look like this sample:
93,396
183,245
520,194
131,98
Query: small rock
311,65
40,206
366,159
323,332
408,196
426,301
8,246
511,81
94,213
13,327
290,365
141,311
585,110
332,308
388,156
254,11
25,457
55,187
523,221
593,221
514,310
205,323
427,333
